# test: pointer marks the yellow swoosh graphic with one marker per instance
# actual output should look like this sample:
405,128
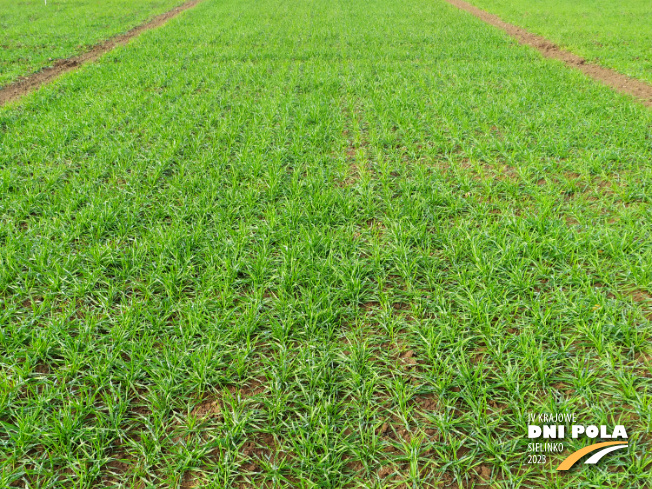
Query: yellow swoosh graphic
575,456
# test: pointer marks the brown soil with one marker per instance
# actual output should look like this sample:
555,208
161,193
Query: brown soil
355,167
207,409
23,86
619,82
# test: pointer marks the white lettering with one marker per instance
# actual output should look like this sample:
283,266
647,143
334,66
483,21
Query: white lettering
533,431
592,431
577,430
603,432
619,431
549,431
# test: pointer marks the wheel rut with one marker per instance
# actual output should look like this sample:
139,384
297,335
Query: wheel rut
619,82
18,89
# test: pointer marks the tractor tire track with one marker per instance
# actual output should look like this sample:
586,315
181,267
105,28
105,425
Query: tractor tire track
619,82
18,89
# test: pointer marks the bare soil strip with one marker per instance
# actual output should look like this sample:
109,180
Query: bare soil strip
619,82
28,84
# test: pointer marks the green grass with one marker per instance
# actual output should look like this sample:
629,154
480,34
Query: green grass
321,243
34,34
612,33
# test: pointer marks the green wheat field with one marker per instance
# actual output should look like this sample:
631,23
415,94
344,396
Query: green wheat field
318,244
